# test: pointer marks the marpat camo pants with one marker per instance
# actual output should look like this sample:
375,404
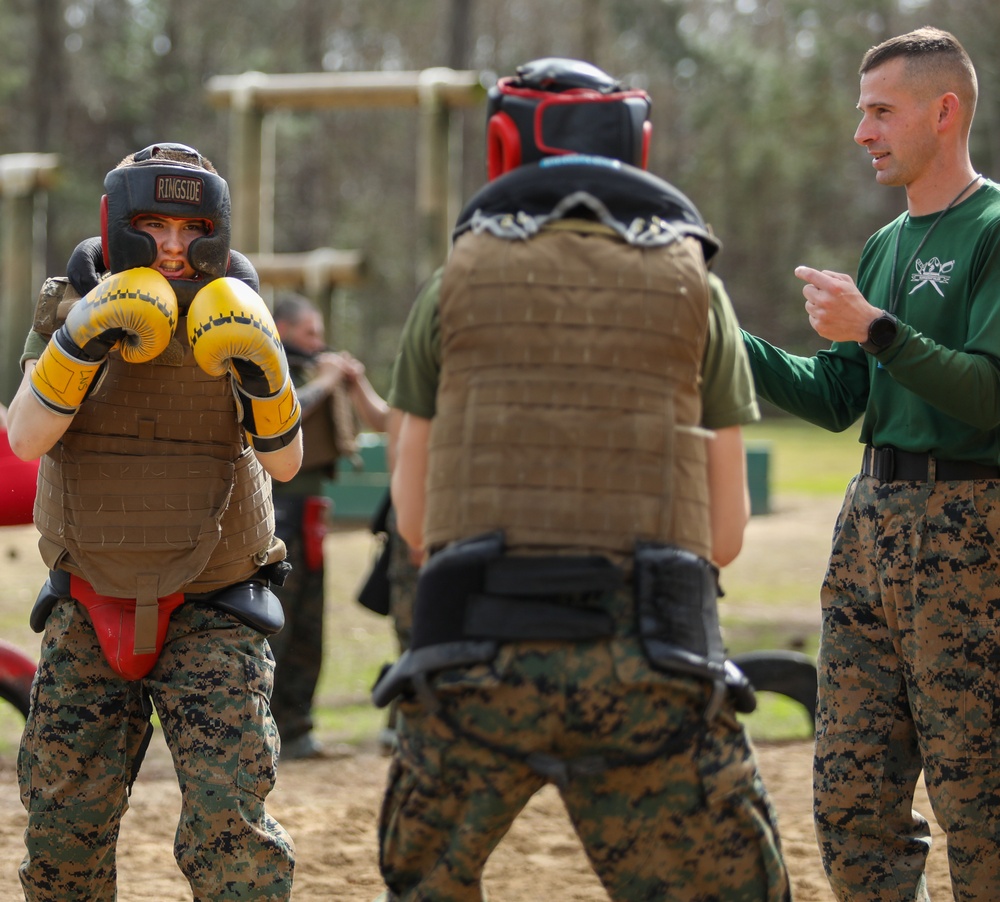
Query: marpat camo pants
909,679
666,805
210,688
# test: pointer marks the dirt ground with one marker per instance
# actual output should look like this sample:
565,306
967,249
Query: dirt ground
330,806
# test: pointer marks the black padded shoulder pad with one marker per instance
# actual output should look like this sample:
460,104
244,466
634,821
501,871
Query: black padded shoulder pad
241,268
85,265
629,193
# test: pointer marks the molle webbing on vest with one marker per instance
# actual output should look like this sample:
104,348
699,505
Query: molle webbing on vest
569,404
176,405
152,477
246,540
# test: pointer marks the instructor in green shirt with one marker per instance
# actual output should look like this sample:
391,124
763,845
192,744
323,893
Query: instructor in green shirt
908,668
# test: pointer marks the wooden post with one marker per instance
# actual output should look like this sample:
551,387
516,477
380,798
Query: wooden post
314,274
22,176
436,92
433,164
245,161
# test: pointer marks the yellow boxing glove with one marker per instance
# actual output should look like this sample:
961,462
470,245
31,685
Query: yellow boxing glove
134,310
231,331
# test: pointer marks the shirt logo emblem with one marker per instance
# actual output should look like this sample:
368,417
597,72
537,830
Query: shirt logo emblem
933,272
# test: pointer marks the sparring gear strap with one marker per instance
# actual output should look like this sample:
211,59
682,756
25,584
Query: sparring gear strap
120,621
563,106
252,603
400,678
676,603
471,590
273,422
470,597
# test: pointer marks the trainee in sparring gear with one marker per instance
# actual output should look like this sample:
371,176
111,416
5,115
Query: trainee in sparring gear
156,523
232,331
134,311
568,387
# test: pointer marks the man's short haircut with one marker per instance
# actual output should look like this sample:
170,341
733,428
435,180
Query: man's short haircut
290,308
933,54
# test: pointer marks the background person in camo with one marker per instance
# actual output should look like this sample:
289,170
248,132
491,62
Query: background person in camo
331,387
907,667
571,458
160,405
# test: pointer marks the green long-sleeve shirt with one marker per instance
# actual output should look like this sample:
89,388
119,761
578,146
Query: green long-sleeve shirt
936,388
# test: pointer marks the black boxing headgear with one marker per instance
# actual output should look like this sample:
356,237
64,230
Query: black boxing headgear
562,106
165,180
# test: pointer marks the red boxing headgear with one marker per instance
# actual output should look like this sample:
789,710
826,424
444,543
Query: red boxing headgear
166,180
561,106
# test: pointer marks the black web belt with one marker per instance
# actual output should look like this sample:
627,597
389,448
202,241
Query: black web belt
888,464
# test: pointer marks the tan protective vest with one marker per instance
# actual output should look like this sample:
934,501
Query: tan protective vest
151,490
568,408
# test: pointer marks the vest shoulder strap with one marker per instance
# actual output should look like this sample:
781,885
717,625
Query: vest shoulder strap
54,301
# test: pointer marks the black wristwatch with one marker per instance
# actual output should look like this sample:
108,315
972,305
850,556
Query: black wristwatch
881,332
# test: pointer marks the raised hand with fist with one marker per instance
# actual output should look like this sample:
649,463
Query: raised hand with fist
134,311
232,331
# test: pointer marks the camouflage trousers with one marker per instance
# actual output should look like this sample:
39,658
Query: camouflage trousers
83,740
909,679
298,648
666,805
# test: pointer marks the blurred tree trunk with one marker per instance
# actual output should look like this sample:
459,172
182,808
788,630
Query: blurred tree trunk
459,37
590,31
466,157
48,82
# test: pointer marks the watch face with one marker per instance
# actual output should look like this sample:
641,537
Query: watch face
882,331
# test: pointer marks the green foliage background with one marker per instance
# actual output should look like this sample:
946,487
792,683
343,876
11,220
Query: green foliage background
753,118
753,115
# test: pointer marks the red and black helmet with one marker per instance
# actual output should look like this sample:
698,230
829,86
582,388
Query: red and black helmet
559,106
167,180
